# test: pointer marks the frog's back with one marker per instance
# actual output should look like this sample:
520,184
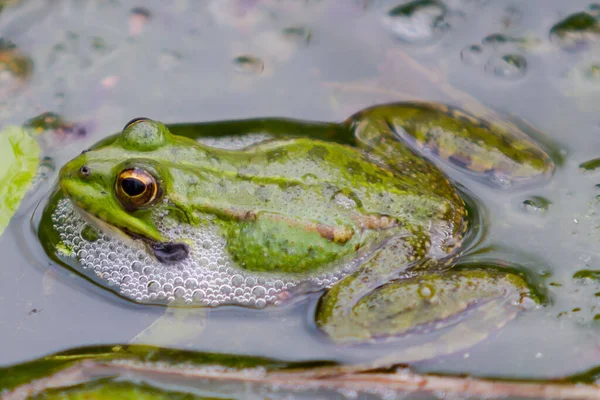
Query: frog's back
333,182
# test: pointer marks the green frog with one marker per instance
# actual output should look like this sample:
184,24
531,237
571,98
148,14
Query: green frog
358,208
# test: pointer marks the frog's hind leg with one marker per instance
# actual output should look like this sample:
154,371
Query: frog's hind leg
497,154
370,304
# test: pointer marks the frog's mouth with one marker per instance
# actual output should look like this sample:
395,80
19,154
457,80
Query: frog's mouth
164,252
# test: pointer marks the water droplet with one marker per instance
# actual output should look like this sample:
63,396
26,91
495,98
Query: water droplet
473,54
248,64
426,291
298,34
592,72
138,18
99,46
509,66
512,16
496,40
536,205
501,179
575,31
169,59
419,21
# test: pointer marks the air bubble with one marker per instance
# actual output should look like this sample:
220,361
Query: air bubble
508,66
419,21
259,291
261,303
575,31
237,280
426,292
179,292
207,277
297,34
248,64
472,55
153,286
536,205
191,283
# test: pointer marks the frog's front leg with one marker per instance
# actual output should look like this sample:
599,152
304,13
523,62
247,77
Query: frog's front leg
363,307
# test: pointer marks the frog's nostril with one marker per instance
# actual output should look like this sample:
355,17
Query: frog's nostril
84,171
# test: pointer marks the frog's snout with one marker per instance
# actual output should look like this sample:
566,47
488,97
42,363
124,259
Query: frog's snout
169,253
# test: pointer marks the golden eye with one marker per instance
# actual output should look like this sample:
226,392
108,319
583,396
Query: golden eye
136,188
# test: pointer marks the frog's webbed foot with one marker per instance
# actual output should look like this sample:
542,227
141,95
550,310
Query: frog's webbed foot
496,153
361,309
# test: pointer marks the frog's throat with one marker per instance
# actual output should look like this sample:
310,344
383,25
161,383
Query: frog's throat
165,252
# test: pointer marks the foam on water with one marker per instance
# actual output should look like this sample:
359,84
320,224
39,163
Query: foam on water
208,276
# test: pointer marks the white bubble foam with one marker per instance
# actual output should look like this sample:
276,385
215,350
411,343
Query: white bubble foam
208,277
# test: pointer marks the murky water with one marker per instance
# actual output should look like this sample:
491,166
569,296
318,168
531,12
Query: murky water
104,62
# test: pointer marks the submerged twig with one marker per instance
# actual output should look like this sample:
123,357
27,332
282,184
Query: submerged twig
360,382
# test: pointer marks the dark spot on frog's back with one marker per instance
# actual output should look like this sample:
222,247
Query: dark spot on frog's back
276,155
318,153
371,178
354,168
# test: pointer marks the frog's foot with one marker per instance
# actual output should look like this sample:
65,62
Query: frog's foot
499,155
472,301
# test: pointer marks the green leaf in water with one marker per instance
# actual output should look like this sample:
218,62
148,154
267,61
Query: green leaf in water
19,157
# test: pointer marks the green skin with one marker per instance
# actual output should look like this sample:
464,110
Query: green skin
275,204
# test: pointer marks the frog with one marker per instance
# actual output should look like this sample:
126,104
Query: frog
360,194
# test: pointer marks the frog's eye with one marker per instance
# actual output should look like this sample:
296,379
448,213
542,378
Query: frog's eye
143,134
136,188
135,121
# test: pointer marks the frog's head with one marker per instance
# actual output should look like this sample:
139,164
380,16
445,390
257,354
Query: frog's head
118,185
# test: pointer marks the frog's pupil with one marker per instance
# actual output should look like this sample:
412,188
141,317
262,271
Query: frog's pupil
133,187
84,171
